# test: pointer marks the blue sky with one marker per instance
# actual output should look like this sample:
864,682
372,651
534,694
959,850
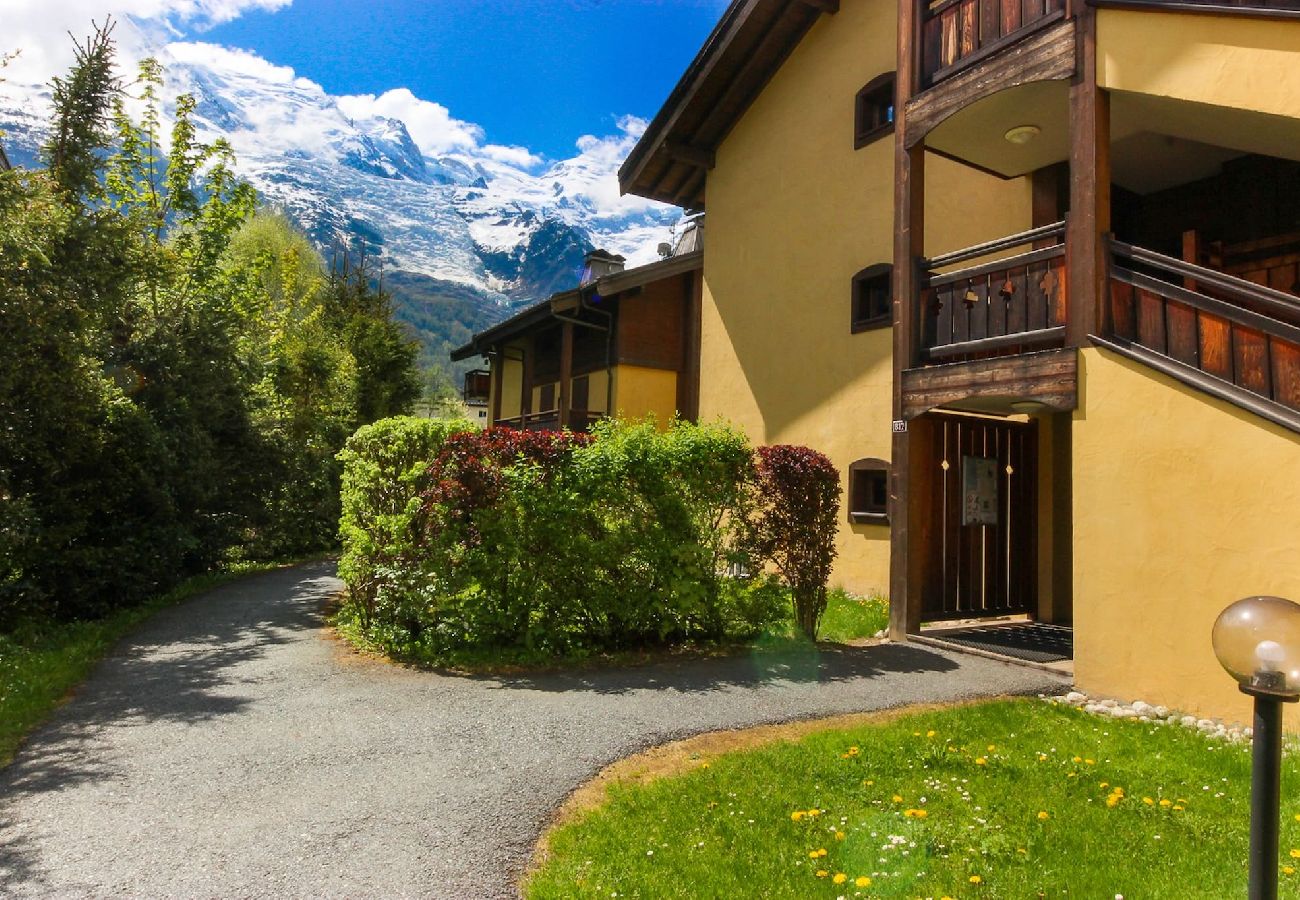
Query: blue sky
531,73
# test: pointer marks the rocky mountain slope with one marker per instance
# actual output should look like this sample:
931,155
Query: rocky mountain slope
462,235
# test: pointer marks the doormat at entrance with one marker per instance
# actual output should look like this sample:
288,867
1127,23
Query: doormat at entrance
1030,641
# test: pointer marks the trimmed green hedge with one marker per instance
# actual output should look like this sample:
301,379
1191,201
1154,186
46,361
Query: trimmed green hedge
460,544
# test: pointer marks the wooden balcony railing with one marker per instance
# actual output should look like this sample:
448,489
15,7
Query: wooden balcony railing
958,33
579,420
1279,8
1003,307
1219,330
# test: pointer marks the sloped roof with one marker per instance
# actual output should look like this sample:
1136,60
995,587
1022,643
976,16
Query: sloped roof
749,43
607,286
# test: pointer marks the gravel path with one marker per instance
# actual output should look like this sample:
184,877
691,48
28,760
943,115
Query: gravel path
230,748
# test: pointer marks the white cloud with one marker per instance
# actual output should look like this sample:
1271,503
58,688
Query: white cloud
520,157
40,28
593,172
430,124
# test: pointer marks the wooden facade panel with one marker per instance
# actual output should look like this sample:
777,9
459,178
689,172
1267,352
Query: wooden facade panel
1017,310
990,20
1010,18
1151,320
968,27
1050,377
1215,349
1250,360
650,326
1180,327
1058,289
948,49
1035,298
977,298
944,301
1286,373
1122,312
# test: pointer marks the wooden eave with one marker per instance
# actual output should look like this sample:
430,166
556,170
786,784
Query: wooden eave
562,301
745,49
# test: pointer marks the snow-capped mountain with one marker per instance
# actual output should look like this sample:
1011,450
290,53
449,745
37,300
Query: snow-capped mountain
486,225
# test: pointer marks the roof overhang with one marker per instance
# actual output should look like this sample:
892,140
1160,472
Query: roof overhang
4,160
745,49
567,302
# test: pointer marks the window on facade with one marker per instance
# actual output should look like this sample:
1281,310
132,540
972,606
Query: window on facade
869,492
873,110
872,298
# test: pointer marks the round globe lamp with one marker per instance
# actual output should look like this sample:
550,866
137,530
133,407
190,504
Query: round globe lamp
1257,640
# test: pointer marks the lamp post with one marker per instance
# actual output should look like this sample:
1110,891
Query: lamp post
1258,641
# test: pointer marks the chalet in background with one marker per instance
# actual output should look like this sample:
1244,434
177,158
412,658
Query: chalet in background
623,341
1027,272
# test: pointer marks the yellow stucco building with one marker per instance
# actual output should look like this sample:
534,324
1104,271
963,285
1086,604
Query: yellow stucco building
1027,274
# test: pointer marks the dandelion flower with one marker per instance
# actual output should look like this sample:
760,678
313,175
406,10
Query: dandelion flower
1178,808
1042,814
975,879
1042,757
1148,801
915,813
1104,785
898,799
814,813
796,815
839,835
1166,803
1090,762
1288,870
1295,854
1078,759
981,761
1112,801
862,881
869,782
931,734
822,873
840,878
992,747
1022,850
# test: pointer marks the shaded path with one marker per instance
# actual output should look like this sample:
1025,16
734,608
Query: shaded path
228,749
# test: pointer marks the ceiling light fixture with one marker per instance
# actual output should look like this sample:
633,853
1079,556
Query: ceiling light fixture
1022,134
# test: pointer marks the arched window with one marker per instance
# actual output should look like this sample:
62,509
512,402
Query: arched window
869,492
873,111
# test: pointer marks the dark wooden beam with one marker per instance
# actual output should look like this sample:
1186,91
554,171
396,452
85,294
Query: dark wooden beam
700,157
826,6
566,372
498,364
1050,376
691,189
1048,55
906,492
1089,219
688,385
526,402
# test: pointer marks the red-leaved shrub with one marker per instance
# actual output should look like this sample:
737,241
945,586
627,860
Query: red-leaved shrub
794,525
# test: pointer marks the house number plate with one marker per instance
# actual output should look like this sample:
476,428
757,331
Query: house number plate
900,426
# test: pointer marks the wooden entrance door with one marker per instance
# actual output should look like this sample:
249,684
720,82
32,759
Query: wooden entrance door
982,557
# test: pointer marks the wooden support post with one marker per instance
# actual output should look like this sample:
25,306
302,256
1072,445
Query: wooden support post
688,378
1089,189
498,384
566,372
526,388
909,248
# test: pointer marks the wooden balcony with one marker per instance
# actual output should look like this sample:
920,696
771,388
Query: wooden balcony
1225,335
1002,307
959,33
579,420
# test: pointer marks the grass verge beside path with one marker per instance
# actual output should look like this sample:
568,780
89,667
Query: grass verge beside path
1015,798
848,618
42,662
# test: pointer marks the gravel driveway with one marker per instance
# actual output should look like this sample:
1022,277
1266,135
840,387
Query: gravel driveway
230,748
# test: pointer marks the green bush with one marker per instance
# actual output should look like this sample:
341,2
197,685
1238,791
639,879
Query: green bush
542,544
385,474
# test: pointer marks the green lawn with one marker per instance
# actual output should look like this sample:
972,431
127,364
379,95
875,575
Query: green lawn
849,617
42,661
1014,798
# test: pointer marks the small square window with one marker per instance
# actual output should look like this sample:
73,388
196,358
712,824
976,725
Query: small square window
873,298
873,111
869,492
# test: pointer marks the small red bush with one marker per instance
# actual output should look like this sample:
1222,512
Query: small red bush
795,524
